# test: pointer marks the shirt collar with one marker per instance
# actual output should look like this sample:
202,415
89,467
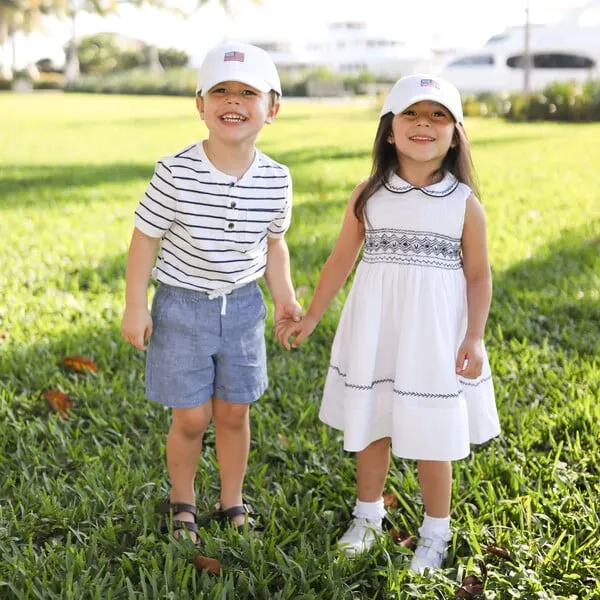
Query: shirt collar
395,183
219,176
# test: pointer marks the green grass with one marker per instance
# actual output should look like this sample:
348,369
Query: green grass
77,496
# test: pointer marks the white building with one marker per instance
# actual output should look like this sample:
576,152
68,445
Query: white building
564,51
349,47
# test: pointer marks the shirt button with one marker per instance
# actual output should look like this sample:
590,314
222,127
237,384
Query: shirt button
233,204
230,226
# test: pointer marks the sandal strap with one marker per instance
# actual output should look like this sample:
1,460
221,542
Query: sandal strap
234,511
166,506
185,525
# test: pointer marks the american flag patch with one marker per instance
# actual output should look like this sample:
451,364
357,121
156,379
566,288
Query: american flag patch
430,83
233,56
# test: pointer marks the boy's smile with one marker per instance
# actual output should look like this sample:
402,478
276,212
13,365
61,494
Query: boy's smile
235,112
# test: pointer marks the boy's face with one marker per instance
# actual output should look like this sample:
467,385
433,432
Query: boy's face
236,112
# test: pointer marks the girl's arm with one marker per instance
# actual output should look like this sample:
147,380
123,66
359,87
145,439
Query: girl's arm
333,275
478,277
136,325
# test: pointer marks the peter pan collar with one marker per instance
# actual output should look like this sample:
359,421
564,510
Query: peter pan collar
395,183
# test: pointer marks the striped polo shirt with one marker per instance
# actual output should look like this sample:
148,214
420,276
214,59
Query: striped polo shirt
214,227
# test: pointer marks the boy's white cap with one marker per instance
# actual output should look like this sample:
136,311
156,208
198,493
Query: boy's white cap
422,86
234,61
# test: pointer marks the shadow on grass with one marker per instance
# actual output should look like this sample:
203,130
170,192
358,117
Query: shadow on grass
16,180
553,295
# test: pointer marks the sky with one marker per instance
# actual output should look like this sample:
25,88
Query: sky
459,24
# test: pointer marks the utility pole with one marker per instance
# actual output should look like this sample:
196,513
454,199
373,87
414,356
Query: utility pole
527,62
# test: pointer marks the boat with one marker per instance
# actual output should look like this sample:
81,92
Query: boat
568,50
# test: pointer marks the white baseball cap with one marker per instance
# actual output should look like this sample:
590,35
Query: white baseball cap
422,86
233,61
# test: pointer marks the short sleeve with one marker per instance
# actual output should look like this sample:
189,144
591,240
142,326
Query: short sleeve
280,224
156,210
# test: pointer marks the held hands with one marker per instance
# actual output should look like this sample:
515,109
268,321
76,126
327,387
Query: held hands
136,326
299,330
469,358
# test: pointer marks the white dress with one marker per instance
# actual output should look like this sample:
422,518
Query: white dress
392,369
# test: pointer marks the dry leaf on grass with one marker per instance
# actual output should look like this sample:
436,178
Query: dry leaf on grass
402,538
203,563
59,401
284,441
497,551
390,500
472,586
78,364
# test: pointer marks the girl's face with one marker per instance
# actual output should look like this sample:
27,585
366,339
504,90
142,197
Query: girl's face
235,112
422,134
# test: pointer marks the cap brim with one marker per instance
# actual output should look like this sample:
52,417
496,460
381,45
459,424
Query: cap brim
259,84
398,108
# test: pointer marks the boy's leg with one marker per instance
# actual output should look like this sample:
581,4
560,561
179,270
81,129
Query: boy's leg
232,429
184,445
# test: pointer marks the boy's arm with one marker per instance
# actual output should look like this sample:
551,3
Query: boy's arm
279,280
136,325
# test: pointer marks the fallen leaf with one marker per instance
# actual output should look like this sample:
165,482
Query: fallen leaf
497,551
402,538
59,401
390,500
284,441
472,586
78,364
203,563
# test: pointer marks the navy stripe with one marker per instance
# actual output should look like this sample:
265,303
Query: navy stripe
168,239
236,185
198,268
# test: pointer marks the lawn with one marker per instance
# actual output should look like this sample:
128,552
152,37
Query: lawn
77,494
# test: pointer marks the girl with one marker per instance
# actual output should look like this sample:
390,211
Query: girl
408,367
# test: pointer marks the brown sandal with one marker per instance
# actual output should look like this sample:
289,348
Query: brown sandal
168,509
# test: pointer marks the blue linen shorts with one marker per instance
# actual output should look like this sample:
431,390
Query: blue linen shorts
195,352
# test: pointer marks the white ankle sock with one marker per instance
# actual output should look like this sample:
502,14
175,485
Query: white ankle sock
436,528
373,511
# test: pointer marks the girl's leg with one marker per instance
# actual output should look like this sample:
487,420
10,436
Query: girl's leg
184,444
372,465
435,478
232,426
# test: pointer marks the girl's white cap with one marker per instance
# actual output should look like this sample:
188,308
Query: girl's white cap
235,61
422,86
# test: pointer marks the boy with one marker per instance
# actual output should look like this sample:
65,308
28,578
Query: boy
219,210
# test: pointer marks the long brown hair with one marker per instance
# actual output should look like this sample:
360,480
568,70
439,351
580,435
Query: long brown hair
385,162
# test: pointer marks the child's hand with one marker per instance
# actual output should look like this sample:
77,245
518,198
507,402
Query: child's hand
136,326
469,359
287,328
287,310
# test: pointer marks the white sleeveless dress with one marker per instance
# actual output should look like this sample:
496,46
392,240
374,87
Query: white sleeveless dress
392,369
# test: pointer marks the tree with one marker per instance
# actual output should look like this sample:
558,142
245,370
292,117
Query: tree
20,16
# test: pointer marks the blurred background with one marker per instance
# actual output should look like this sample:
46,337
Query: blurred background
334,48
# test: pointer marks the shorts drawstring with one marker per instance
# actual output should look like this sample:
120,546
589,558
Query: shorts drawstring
223,295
